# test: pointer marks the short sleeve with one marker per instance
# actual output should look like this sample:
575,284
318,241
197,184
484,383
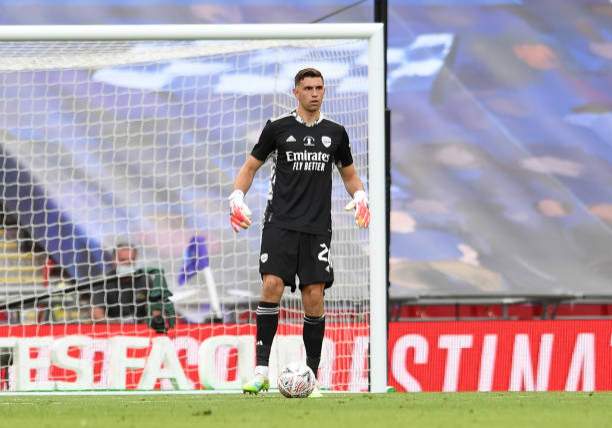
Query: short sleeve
343,155
266,143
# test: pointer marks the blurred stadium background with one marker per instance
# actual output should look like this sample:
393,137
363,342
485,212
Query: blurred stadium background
501,165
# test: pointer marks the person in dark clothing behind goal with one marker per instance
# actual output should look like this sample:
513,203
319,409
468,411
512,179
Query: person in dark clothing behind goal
304,146
130,292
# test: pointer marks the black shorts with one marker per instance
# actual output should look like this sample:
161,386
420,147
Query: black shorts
287,253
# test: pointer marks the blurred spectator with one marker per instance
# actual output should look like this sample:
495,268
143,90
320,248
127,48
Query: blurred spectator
552,208
132,293
603,211
536,55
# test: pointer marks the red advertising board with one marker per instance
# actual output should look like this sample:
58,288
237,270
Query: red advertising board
542,355
218,356
423,356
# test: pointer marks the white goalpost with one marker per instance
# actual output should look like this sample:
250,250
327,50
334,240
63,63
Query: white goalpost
123,141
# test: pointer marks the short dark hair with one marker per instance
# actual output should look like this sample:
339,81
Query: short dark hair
306,72
125,244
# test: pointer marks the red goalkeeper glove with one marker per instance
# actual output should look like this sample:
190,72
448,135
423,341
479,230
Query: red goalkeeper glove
362,210
240,214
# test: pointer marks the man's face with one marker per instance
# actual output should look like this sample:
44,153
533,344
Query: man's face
309,93
125,256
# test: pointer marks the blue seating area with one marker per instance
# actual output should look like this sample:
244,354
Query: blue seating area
501,133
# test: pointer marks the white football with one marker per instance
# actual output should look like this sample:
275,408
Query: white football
296,380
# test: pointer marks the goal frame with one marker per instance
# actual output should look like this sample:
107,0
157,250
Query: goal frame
373,33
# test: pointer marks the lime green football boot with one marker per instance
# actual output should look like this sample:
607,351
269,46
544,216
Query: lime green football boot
256,385
316,392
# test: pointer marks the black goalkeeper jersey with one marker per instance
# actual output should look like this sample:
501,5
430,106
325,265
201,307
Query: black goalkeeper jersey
303,159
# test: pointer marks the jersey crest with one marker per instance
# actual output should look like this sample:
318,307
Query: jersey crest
309,141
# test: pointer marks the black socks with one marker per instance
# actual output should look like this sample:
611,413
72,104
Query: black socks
267,323
314,330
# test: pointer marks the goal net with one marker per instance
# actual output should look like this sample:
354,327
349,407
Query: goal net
117,161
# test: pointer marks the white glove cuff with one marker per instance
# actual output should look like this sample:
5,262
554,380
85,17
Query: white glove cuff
359,196
237,196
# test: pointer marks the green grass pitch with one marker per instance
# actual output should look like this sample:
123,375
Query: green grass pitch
541,410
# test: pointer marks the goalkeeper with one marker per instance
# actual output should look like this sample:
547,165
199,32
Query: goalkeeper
304,146
132,293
